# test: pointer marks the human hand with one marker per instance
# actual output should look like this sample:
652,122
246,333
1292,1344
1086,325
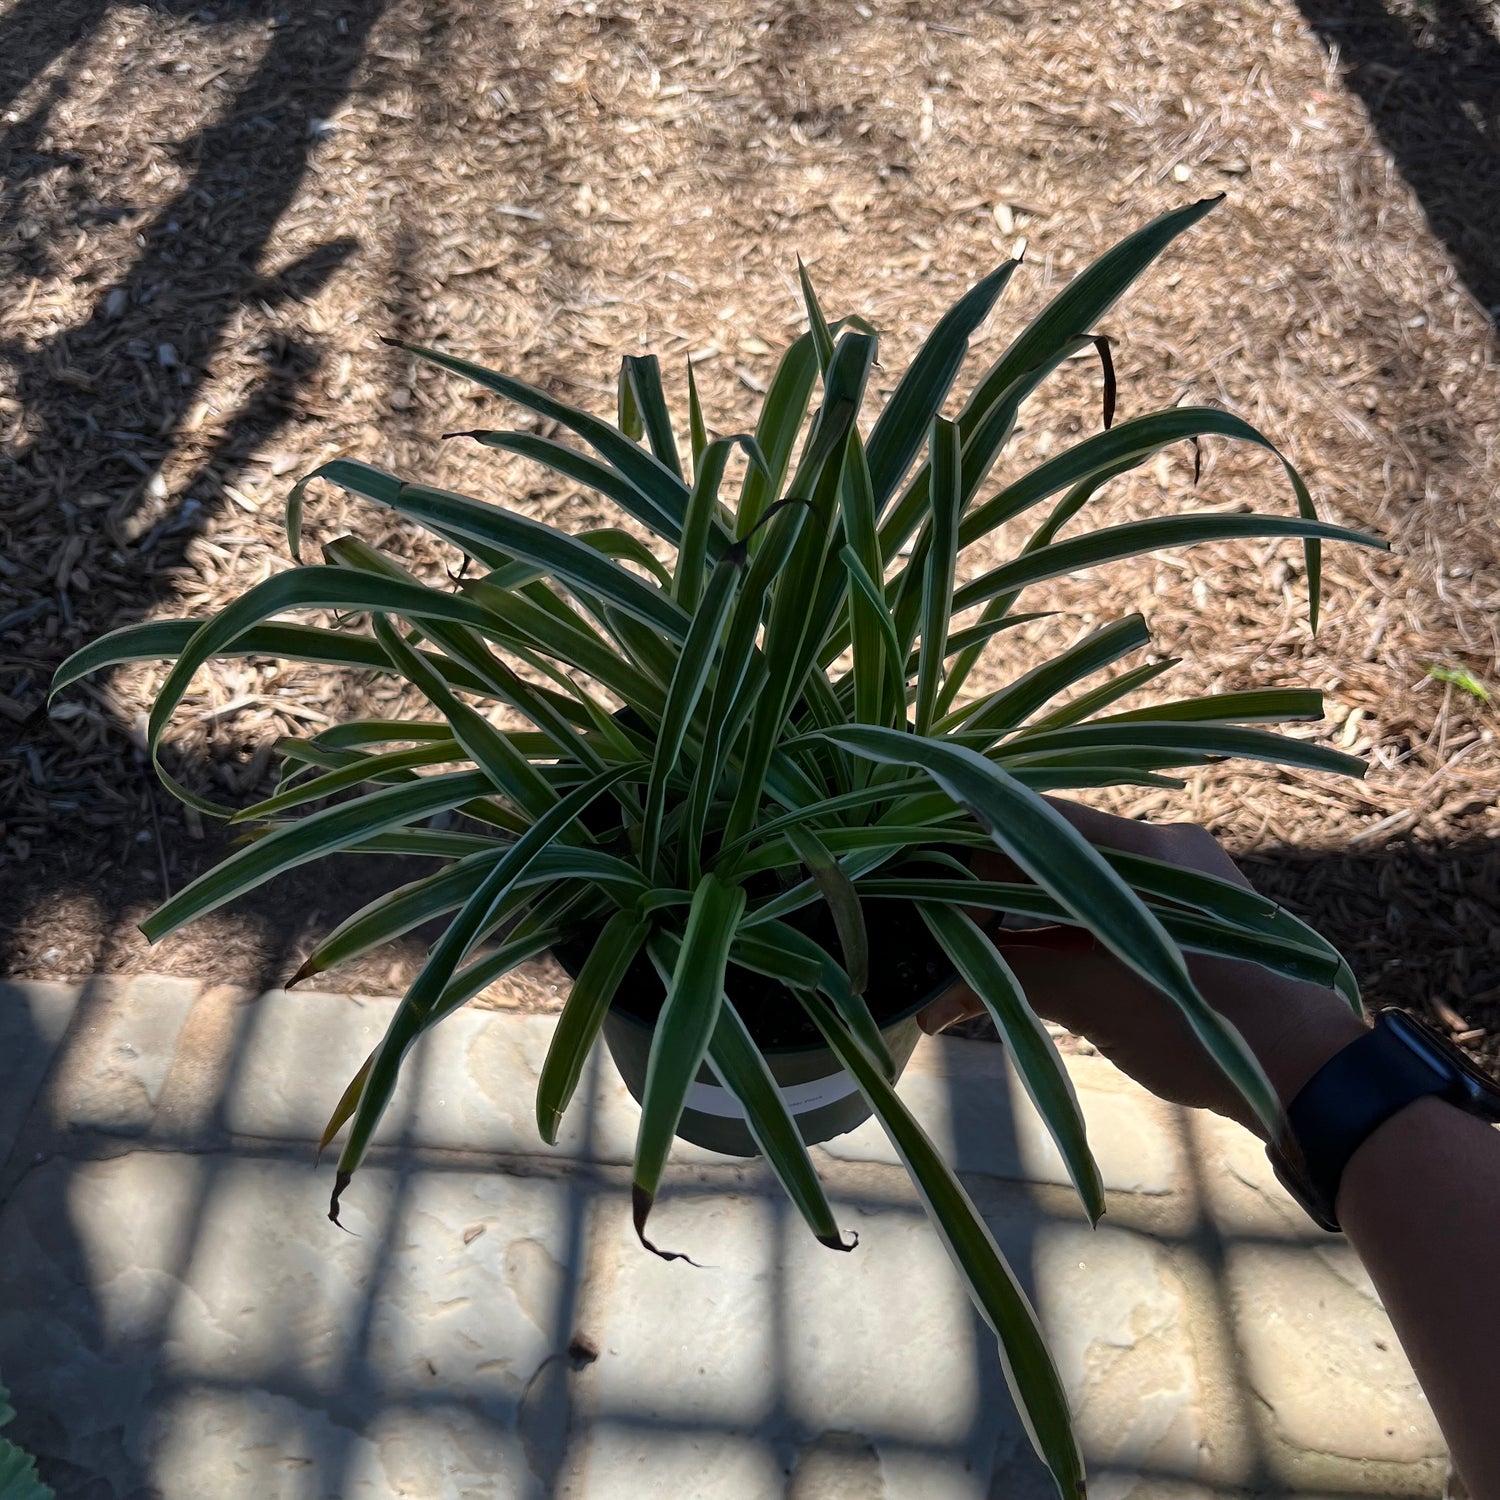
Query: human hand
1291,1027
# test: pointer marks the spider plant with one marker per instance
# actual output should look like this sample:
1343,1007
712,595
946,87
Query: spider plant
751,747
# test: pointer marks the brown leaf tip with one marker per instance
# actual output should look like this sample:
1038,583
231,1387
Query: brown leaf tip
838,1241
640,1205
339,1184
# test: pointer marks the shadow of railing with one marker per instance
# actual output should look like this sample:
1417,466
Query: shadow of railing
178,1317
1416,918
1428,75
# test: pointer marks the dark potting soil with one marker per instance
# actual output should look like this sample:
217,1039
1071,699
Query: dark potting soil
906,966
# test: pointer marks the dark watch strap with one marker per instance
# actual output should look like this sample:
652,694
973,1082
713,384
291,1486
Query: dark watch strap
1358,1090
1348,1098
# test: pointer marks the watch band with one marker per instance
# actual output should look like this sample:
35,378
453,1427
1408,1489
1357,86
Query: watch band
1356,1091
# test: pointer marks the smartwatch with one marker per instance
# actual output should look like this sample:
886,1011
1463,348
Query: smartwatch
1398,1061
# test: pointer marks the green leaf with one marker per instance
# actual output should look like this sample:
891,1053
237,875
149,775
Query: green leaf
157,639
683,1030
583,1015
1110,543
1047,847
873,598
398,911
447,953
872,655
1032,1377
364,479
743,1071
570,641
942,556
1281,923
697,429
906,418
1131,443
1269,706
887,837
306,839
821,808
645,470
422,843
781,417
822,337
1460,678
18,1476
358,732
742,671
614,542
1004,709
580,468
1277,950
1187,738
643,374
792,635
542,928
1227,899
303,588
688,681
1032,1051
1053,336
784,952
693,557
508,770
395,765
843,902
564,557
1068,775
628,416
1086,705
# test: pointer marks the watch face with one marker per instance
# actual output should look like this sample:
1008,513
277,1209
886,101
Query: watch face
1475,1085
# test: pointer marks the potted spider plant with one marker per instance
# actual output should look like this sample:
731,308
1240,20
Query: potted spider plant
743,809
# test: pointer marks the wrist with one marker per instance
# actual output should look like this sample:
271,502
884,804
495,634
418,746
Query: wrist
1293,1029
1307,1041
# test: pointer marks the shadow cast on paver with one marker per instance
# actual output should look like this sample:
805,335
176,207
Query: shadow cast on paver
321,1409
323,1394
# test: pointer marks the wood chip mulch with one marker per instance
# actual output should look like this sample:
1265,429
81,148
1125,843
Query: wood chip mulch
210,215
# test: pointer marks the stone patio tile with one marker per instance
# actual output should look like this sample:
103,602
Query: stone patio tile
872,1363
297,1051
122,1050
1332,1381
473,1085
1239,1191
471,1081
193,1324
34,1014
187,1322
953,1087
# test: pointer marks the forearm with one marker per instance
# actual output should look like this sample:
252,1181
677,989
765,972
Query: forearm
1420,1202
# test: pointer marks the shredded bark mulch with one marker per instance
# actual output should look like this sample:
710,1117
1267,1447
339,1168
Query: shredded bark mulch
211,214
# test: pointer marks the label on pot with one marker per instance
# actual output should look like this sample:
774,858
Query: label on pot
799,1098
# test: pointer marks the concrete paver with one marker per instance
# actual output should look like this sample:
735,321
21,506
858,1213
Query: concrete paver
112,1079
955,1090
34,1014
178,1317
